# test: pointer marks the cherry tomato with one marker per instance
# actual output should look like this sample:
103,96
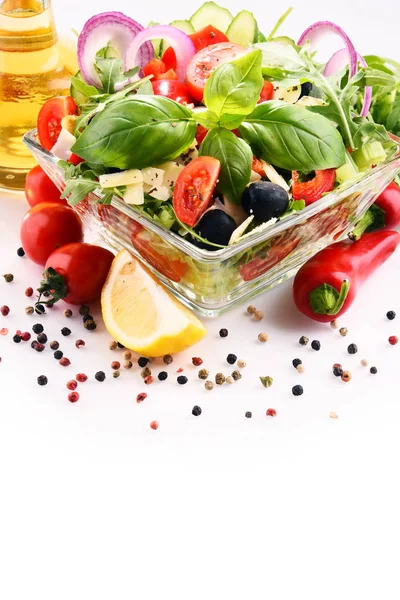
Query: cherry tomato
258,266
75,159
267,92
206,61
84,267
50,116
155,67
48,226
201,133
312,190
40,188
170,88
201,39
194,189
169,58
170,74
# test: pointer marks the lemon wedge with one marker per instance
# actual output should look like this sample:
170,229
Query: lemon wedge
140,314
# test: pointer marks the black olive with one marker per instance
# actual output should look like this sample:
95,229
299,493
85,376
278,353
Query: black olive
215,226
305,89
265,200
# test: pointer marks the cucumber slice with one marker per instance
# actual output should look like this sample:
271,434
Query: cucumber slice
184,26
243,30
158,44
211,14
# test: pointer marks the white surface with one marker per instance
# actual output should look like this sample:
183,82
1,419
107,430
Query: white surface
94,504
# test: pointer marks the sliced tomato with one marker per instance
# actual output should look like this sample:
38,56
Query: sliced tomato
312,190
257,166
171,88
50,116
201,133
267,92
170,74
207,37
169,58
258,266
194,189
206,61
155,67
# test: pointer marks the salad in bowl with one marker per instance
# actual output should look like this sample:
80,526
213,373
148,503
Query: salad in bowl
207,144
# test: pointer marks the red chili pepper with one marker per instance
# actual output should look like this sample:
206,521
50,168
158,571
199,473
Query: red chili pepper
326,286
384,214
312,190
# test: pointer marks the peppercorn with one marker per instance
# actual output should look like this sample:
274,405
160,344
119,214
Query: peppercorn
364,362
54,345
209,385
270,412
100,376
38,328
343,331
5,310
352,349
391,315
316,345
4,331
180,370
373,370
90,325
297,390
64,361
167,359
266,381
81,377
20,252
337,371
300,368
346,376
142,362
334,324
65,331
230,380
121,346
115,365
127,355
263,337
248,414
196,411
223,333
303,341
8,277
154,425
145,372
203,374
26,336
241,364
296,362
236,375
220,379
80,344
73,397
68,313
87,318
113,345
163,375
333,415
258,315
40,309
42,380
393,340
58,354
182,380
197,361
29,310
116,374
17,338
128,364
148,380
72,384
29,292
84,310
231,359
251,309
141,397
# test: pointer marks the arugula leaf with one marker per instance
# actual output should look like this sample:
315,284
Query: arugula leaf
137,132
290,137
77,189
235,87
282,61
235,157
110,72
82,87
279,23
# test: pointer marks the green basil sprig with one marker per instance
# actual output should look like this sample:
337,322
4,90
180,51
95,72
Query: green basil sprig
137,132
235,157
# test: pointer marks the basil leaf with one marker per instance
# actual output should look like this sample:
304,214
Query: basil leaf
290,137
235,87
146,88
235,157
137,132
231,121
280,61
206,118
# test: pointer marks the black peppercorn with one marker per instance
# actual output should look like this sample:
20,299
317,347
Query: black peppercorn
90,325
163,375
316,345
40,309
143,362
352,349
391,315
248,414
296,362
100,376
87,318
223,333
8,277
121,346
58,354
42,338
297,390
303,341
182,379
17,338
65,331
167,359
231,359
337,371
42,380
38,328
84,310
21,252
373,370
196,411
54,345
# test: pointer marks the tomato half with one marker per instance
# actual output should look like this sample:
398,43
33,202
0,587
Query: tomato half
171,88
48,226
201,133
84,267
40,188
257,167
169,58
155,67
312,190
201,39
267,92
206,61
50,116
194,189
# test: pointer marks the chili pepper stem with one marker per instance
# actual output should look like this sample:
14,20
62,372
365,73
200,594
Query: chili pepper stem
373,220
325,300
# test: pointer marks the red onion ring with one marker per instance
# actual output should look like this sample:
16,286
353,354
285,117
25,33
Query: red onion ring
337,62
181,43
112,28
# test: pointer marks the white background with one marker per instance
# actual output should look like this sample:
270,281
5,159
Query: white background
94,504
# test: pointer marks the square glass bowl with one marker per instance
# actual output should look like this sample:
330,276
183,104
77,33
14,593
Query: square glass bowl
212,282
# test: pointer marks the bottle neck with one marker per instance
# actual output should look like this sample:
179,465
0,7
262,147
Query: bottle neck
26,25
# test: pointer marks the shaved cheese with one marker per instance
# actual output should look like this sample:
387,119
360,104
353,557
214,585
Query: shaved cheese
134,194
239,231
172,171
310,101
153,176
259,229
124,178
159,193
289,95
274,176
68,123
254,177
62,147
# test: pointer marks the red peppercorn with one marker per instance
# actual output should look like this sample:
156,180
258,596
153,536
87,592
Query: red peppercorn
154,425
4,331
81,377
148,380
80,343
4,310
64,361
26,336
197,361
271,412
29,292
337,366
141,397
179,370
18,332
73,397
115,365
393,340
72,384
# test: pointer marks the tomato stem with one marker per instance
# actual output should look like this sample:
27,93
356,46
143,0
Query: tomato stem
52,283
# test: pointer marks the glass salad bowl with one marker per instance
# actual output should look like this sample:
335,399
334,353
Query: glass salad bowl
212,282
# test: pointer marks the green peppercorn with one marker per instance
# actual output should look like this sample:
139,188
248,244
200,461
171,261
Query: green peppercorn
236,375
8,277
266,381
203,374
220,379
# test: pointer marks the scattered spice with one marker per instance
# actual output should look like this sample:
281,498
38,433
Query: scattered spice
29,292
258,315
38,328
223,333
8,277
303,341
241,363
180,370
167,360
145,372
346,376
58,354
352,349
128,364
230,380
26,336
40,309
297,390
271,412
148,380
81,377
203,374
127,355
20,252
84,310
54,345
42,380
196,411
72,384
266,381
373,370
17,338
300,368
113,345
333,415
316,345
197,361
393,340
4,310
38,347
364,362
334,324
296,362
121,346
248,414
100,376
140,397
182,380
231,359
220,379
251,309
42,338
4,331
73,397
68,313
209,385
337,371
116,374
236,375
65,362
343,331
154,425
29,310
80,344
162,376
115,365
263,337
142,362
391,315
90,325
